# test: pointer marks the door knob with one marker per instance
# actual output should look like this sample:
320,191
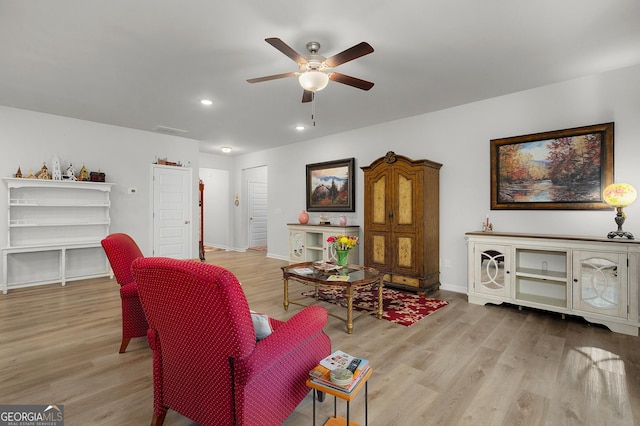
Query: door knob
186,222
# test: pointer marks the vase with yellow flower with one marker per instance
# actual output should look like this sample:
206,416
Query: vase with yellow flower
342,245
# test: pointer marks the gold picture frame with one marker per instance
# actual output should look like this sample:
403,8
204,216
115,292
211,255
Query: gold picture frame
563,169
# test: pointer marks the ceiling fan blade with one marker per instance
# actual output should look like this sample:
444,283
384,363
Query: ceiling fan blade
284,48
350,54
350,81
307,96
273,77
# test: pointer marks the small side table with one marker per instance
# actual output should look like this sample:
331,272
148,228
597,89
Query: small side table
336,420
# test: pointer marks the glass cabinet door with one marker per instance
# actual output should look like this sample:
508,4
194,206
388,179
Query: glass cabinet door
492,270
296,246
600,283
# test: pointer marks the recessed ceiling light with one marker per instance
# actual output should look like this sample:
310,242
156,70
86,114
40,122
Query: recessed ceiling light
299,127
206,102
226,149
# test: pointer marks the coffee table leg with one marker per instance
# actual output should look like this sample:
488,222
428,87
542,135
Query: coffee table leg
349,309
286,294
380,285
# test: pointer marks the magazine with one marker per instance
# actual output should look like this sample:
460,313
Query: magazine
338,278
340,359
326,267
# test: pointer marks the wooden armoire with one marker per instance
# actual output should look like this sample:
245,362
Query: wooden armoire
401,221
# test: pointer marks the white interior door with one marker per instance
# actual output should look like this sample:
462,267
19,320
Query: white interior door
172,227
257,214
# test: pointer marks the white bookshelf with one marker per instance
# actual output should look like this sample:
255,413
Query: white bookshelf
54,231
308,243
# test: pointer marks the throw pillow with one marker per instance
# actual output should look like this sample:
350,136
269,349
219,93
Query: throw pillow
261,325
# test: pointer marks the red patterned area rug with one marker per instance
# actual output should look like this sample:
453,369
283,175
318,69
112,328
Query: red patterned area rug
399,307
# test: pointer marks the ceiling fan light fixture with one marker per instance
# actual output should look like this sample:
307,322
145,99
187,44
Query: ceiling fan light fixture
313,80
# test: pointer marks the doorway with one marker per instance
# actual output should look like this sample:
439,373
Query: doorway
172,227
216,208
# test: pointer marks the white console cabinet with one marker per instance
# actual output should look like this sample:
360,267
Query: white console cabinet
54,231
308,243
595,278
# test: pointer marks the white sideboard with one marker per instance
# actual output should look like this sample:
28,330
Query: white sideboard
308,243
595,278
54,231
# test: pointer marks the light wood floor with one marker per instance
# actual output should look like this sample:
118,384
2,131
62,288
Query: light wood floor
463,365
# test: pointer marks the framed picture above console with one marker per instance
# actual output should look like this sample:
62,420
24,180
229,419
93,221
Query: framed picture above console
563,169
331,186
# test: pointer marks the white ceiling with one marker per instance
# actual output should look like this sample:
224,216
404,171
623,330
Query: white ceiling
147,63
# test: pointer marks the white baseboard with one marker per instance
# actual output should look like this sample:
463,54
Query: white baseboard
454,288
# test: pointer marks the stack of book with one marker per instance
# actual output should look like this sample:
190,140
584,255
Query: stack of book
321,374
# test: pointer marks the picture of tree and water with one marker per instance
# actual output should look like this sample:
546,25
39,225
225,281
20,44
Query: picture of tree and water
567,169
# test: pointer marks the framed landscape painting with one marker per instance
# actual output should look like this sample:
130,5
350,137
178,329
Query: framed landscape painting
564,169
331,186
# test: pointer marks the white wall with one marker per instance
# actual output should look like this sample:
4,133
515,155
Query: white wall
27,139
459,139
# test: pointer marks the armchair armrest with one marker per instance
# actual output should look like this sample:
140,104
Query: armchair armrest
288,336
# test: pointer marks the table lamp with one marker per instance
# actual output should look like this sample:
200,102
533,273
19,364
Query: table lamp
619,195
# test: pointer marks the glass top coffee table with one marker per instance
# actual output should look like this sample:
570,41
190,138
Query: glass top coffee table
349,278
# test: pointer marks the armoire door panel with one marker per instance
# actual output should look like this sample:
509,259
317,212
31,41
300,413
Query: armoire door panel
405,254
378,251
405,201
379,208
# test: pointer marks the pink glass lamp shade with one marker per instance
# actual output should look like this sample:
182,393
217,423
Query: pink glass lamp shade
619,195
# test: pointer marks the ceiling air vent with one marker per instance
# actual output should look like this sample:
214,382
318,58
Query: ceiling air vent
170,131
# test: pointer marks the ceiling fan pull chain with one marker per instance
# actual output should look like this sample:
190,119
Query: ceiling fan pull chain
313,108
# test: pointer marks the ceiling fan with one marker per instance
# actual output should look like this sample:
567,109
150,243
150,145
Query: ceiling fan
315,70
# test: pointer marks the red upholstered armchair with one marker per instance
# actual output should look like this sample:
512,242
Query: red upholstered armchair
207,364
121,251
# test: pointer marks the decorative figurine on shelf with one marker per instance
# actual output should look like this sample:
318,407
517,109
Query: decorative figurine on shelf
487,226
30,175
84,174
44,172
57,172
97,176
324,219
70,173
18,173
